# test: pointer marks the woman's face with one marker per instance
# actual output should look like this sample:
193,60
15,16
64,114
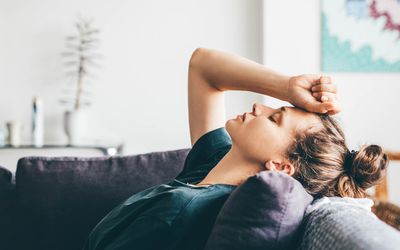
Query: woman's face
265,133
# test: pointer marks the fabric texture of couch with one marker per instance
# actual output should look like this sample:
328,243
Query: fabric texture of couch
53,203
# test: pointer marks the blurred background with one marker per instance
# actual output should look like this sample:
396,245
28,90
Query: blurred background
134,79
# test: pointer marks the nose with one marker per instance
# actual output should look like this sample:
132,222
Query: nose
256,109
259,109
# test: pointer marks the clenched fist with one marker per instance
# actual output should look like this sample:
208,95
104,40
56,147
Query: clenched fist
314,93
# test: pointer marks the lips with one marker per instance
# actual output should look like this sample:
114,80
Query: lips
242,117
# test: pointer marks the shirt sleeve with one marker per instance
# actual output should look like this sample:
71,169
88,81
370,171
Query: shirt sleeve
204,155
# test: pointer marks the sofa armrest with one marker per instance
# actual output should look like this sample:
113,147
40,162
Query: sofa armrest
341,226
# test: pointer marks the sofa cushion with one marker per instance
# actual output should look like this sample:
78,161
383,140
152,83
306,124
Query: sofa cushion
5,176
7,208
6,189
265,212
63,198
345,225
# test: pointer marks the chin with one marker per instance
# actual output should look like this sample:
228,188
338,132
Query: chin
229,123
230,126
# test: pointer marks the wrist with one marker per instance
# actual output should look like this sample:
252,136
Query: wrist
285,89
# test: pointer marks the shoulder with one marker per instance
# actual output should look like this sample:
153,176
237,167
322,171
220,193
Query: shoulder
209,144
205,154
201,199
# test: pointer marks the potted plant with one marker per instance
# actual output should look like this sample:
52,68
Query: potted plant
80,58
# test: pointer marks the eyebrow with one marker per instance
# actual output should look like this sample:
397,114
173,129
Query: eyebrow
283,114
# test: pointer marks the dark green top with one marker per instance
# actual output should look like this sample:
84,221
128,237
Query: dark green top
177,215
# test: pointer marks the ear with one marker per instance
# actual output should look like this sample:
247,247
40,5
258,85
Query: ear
285,167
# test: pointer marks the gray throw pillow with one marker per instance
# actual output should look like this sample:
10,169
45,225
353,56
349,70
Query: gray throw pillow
265,212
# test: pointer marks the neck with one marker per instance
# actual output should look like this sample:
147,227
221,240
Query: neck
232,169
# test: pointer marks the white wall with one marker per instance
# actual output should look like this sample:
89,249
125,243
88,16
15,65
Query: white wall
140,95
370,101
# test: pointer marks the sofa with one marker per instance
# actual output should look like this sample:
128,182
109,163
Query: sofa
52,203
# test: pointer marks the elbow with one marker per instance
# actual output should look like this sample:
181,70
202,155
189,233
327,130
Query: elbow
197,57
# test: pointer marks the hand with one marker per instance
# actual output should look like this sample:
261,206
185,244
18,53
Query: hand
314,93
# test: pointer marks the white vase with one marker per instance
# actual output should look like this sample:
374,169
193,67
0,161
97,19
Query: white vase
14,133
75,126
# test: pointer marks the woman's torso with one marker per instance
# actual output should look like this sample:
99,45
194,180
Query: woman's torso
177,215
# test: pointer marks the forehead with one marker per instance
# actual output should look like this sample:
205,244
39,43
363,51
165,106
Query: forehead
299,120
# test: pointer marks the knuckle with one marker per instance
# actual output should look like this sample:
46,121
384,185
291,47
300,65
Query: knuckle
317,87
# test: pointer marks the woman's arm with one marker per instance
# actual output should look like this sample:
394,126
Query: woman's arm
211,72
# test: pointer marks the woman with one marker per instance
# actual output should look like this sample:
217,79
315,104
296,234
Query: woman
301,141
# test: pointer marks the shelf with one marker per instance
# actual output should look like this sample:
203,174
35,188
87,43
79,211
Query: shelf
10,155
106,150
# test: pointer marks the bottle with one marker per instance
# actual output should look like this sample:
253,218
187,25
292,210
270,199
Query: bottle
37,122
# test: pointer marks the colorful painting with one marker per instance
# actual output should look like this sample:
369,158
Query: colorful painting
360,36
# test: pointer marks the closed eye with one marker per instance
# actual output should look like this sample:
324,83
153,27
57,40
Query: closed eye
271,118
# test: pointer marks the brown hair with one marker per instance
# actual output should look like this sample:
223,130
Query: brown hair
325,166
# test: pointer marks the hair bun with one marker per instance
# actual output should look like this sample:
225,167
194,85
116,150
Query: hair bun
367,166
